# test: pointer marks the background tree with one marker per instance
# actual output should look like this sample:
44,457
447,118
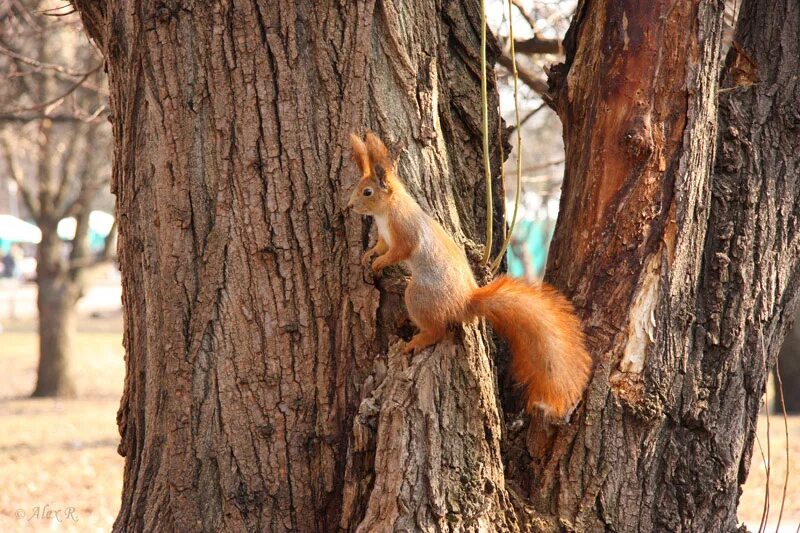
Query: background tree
54,142
264,387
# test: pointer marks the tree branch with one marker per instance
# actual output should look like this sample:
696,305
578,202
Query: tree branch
16,176
537,45
527,117
527,16
58,99
63,118
41,65
67,164
528,78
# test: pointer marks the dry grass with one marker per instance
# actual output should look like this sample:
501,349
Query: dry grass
59,455
751,504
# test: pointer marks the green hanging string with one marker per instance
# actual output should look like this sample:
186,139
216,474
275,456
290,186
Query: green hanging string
485,116
499,259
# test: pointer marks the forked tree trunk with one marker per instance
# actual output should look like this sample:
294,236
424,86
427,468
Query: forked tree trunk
254,338
264,390
56,299
685,275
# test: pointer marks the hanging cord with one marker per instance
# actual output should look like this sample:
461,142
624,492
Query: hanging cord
502,158
768,461
499,259
786,442
485,121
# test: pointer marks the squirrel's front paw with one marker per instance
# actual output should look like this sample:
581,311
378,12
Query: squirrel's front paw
410,348
366,258
378,265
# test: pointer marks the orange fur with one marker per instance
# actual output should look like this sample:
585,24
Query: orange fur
549,358
549,355
359,153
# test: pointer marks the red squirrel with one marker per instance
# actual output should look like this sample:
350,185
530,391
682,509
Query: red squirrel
549,357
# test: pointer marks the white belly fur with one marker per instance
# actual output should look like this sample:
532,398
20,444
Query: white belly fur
383,229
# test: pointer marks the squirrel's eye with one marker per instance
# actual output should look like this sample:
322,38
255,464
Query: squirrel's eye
367,192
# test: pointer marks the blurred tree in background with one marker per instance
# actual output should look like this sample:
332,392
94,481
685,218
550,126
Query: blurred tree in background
54,143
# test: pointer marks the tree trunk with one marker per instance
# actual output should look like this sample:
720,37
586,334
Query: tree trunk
753,232
685,274
264,390
56,299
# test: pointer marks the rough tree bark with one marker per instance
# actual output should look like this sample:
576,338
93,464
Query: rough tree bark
686,275
264,390
258,394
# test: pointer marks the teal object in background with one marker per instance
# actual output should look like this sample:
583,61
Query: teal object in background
13,229
536,235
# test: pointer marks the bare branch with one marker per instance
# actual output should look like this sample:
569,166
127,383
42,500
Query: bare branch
538,85
22,118
537,45
527,16
55,11
26,14
16,176
67,167
527,117
57,100
41,65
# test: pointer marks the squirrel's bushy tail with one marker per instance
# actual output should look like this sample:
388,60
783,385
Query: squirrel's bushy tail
549,357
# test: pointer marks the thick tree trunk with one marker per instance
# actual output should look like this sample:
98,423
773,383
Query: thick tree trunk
264,387
56,299
685,275
264,391
752,255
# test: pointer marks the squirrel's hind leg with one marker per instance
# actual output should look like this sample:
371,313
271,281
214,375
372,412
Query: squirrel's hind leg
425,338
426,312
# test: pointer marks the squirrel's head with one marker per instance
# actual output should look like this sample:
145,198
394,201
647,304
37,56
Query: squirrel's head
377,184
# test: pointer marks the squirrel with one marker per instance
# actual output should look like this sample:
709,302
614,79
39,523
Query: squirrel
549,356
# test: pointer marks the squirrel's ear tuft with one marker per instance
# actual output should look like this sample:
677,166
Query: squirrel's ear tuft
378,152
359,153
380,174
